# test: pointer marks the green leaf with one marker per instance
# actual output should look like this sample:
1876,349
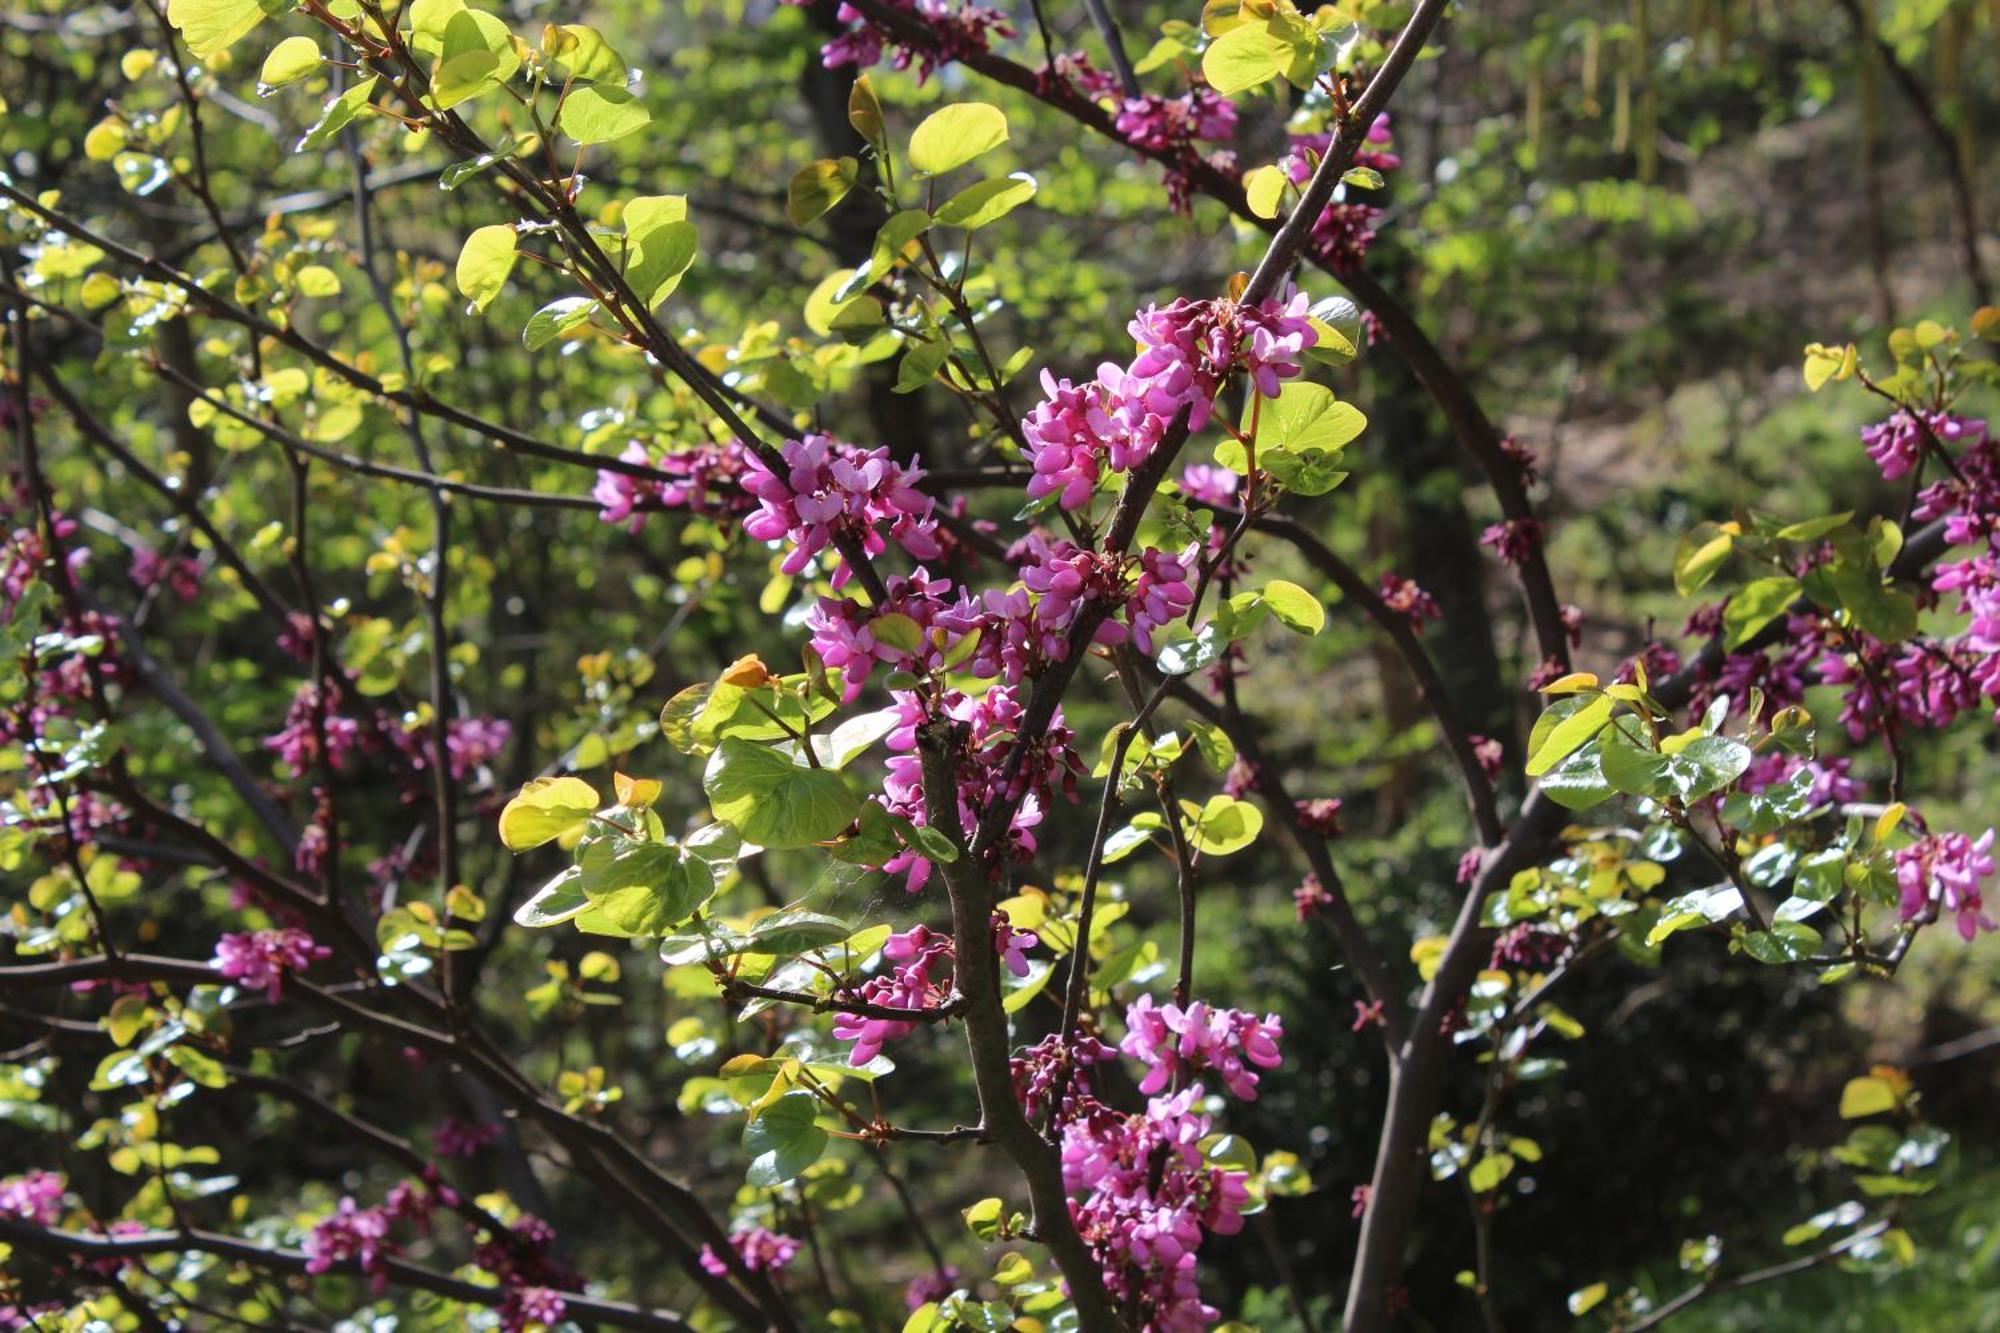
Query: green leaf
1585,1299
1755,605
783,1141
1578,783
1295,608
599,114
954,135
891,241
1784,942
1223,826
546,809
1489,1171
1017,992
1306,416
200,1067
290,60
1812,529
1366,178
555,902
1866,1096
773,802
478,56
645,213
337,114
210,27
1242,58
662,255
1707,764
854,736
585,55
988,201
1633,768
984,1218
864,111
484,262
642,888
1821,876
1699,555
1182,651
786,933
818,186
555,320
1263,189
1582,720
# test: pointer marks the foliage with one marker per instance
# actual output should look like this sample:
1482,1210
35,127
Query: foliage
728,721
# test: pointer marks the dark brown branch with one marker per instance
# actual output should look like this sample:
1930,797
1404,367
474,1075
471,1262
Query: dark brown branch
85,1247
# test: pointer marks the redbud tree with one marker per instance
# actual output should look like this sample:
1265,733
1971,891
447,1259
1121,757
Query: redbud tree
867,936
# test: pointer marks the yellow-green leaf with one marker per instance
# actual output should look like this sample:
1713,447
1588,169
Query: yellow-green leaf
1242,58
955,135
1866,1096
1263,188
289,61
484,263
818,186
545,810
596,114
210,27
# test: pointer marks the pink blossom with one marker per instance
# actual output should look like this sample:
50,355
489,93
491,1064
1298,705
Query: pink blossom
1406,598
36,1196
1513,539
831,489
928,1287
1209,484
458,1138
1945,871
261,958
916,953
350,1234
760,1249
703,479
1174,1043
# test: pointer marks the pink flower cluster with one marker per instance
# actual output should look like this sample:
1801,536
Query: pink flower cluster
523,1259
831,489
1407,599
760,1249
261,958
991,723
844,632
1943,872
1150,1198
953,30
1898,443
1209,484
459,1138
1513,540
36,1196
705,479
1038,1070
351,1235
1173,124
1186,352
1176,1044
298,743
909,984
179,574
